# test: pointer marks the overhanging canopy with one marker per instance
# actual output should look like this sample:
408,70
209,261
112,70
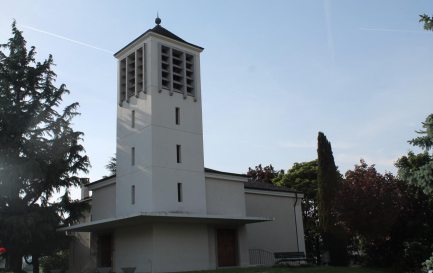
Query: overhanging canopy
147,218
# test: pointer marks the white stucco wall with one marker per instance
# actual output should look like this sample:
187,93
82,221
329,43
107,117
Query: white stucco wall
104,200
224,197
278,235
81,257
156,172
133,248
180,247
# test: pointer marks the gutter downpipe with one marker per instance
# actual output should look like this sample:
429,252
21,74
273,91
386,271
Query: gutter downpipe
296,221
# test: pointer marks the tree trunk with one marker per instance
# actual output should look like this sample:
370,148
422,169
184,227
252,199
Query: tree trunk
317,250
35,263
15,263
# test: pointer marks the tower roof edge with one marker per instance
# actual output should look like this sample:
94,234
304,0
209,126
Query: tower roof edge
158,29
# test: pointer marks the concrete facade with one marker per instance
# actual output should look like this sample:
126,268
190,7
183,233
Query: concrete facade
155,172
163,211
281,206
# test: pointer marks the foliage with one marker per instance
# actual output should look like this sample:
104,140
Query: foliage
40,154
112,165
428,264
417,169
334,237
427,20
328,182
262,174
369,202
391,219
303,177
57,261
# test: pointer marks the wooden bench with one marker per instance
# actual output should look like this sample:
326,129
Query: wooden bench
289,257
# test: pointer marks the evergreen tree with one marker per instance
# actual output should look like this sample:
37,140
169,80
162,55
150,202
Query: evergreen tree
328,179
427,21
40,154
327,182
112,165
417,169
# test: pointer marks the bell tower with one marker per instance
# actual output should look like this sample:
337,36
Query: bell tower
160,164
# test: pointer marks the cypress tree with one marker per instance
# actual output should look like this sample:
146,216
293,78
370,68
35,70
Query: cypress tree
328,180
40,154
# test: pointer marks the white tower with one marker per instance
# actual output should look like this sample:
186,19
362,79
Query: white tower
159,126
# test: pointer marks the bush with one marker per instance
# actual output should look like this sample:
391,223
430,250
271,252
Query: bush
428,264
414,253
59,260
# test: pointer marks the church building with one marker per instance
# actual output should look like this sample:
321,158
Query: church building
164,211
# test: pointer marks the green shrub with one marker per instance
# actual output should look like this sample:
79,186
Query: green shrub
59,260
428,264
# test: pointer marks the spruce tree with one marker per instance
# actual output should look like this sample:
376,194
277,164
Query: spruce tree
417,169
328,179
40,154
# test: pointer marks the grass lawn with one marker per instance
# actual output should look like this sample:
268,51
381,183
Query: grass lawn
312,269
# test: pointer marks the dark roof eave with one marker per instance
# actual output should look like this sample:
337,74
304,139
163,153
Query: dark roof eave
100,180
226,173
255,186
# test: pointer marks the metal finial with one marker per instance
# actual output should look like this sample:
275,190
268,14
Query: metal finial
157,19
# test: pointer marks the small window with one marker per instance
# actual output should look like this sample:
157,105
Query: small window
133,118
133,156
178,153
179,192
177,115
133,194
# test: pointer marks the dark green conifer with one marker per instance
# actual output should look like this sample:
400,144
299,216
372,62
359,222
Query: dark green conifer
40,154
328,179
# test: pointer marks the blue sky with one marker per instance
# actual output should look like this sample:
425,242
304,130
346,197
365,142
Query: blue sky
274,73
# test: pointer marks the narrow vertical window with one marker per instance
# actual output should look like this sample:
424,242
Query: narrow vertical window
178,153
133,194
177,114
133,118
133,156
179,192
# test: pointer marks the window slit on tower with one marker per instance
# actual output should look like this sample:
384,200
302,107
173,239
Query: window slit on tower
179,192
178,154
177,114
133,194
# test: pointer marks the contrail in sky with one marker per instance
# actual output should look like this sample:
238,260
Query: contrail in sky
68,39
391,30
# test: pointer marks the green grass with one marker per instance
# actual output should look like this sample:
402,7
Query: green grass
315,269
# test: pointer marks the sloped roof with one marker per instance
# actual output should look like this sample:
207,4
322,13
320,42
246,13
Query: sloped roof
257,185
158,29
220,172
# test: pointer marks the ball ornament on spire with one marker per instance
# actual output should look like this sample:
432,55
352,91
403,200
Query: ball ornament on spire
157,20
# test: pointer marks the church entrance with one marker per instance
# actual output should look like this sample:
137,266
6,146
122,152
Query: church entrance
227,247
